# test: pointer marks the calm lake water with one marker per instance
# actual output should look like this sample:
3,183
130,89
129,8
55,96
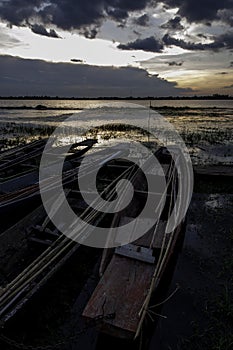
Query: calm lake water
206,126
94,103
64,107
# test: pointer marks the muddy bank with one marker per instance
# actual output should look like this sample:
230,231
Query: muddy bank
200,314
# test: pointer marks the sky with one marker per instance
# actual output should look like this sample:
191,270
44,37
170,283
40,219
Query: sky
116,47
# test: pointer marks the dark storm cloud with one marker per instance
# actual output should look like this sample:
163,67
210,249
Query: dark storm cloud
41,30
153,45
148,44
36,77
18,12
142,20
199,10
224,41
68,14
170,41
76,14
173,24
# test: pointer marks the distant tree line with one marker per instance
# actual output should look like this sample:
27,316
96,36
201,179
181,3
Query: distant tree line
195,97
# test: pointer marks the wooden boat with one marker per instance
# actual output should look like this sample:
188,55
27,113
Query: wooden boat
20,159
129,275
19,166
20,150
132,274
21,192
40,249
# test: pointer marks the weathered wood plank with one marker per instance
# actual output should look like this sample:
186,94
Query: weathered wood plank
136,252
121,290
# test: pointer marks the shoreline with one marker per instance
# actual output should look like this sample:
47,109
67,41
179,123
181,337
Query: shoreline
195,97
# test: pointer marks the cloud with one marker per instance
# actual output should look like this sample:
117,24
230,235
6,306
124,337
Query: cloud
226,15
36,77
117,14
8,41
148,44
199,10
86,17
222,73
173,24
228,87
171,41
203,36
142,20
76,60
223,41
82,15
196,61
68,14
152,44
41,30
89,33
174,63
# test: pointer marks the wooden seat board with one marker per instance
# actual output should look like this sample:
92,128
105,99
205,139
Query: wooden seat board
122,290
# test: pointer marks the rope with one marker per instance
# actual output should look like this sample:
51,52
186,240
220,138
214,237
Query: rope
159,266
170,175
39,265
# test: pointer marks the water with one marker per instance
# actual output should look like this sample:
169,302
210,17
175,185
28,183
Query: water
197,108
206,126
89,103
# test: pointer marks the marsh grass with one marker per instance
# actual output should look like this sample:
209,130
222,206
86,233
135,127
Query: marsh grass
14,134
210,135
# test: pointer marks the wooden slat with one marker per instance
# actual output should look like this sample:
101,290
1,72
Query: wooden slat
121,290
133,251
